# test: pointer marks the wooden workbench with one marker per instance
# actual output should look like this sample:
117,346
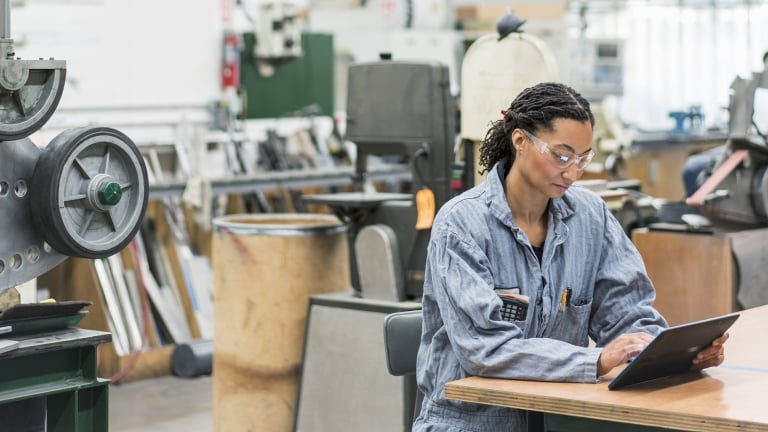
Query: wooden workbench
727,398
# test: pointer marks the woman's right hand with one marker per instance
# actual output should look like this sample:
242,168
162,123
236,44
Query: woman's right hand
620,350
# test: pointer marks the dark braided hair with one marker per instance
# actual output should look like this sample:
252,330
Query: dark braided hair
534,109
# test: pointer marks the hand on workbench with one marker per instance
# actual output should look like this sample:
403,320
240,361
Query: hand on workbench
713,355
620,350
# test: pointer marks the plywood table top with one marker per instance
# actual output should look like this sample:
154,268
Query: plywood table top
732,397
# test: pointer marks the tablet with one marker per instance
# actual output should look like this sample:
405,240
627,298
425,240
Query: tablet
672,351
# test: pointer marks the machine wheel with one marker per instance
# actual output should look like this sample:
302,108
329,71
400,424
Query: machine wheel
89,192
25,110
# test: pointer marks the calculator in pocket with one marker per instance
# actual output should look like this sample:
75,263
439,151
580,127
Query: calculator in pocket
514,307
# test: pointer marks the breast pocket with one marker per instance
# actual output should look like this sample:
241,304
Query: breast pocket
572,324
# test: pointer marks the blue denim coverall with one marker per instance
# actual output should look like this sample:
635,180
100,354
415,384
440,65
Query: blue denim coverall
476,249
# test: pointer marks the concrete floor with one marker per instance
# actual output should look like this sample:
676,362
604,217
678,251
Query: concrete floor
165,404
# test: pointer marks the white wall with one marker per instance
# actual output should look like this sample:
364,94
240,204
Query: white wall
365,32
122,53
679,56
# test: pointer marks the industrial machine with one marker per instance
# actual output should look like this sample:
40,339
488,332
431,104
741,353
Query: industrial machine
734,200
492,74
404,110
734,191
83,195
712,260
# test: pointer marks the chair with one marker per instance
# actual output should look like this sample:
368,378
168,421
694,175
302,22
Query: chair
402,336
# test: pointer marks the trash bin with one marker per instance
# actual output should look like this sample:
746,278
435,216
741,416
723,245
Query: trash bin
266,266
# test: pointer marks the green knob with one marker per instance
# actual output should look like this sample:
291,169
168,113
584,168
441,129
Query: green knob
110,193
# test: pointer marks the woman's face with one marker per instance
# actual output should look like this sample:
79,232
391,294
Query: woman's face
550,161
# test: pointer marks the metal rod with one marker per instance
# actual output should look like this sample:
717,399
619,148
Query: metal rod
5,24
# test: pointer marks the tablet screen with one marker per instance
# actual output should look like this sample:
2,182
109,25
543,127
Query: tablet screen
672,351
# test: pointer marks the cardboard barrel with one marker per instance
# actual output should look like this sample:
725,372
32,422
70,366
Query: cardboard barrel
266,266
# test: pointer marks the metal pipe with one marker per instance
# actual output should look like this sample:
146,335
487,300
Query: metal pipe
5,24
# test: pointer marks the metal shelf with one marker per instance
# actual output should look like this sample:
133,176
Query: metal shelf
285,180
52,379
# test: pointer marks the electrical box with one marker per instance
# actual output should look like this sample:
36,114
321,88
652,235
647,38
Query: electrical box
278,31
596,67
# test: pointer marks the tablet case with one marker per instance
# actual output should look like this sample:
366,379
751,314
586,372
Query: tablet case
672,351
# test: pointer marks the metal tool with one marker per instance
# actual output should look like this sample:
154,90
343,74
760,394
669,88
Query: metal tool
83,195
735,194
29,89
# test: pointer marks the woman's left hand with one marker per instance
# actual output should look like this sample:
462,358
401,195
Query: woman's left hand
713,355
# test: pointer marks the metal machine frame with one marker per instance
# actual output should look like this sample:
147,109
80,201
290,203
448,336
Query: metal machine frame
83,195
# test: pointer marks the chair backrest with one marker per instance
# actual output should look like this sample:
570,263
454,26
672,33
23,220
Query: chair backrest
402,335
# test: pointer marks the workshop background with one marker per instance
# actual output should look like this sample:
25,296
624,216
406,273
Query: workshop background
294,153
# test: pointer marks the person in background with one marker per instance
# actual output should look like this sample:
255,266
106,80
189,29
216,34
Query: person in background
528,234
696,165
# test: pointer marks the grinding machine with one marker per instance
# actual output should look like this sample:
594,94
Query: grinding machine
728,212
734,201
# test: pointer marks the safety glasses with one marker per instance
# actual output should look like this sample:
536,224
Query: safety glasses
560,158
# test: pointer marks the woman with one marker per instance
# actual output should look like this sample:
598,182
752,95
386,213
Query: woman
528,234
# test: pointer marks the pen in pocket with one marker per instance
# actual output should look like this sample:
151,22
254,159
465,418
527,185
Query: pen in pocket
565,299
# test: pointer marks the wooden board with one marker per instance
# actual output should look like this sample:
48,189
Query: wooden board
693,273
